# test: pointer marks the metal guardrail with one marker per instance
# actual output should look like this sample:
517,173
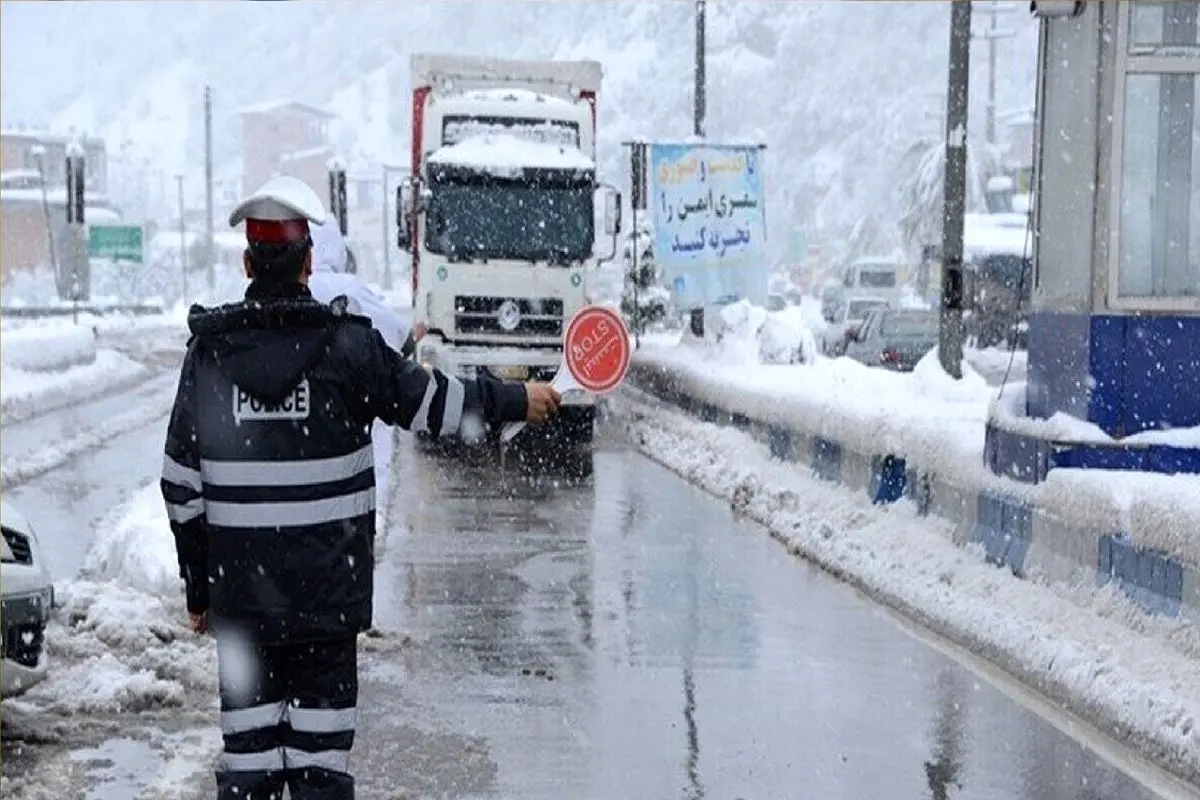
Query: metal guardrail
50,312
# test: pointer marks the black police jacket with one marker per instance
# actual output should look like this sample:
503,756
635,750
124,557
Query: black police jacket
268,474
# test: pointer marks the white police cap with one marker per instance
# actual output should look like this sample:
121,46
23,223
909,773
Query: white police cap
281,199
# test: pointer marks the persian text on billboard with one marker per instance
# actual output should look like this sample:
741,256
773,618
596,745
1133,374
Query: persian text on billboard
709,224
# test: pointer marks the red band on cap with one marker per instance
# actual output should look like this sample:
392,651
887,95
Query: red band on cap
276,231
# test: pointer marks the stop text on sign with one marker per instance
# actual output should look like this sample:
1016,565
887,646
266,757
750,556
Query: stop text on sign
597,349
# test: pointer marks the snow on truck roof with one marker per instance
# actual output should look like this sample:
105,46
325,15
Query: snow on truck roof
467,73
505,155
517,96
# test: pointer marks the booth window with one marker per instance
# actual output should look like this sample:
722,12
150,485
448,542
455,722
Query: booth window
1158,249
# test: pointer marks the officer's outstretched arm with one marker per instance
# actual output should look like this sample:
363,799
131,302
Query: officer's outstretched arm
183,491
407,395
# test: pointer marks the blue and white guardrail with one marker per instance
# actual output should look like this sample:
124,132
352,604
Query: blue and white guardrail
1013,532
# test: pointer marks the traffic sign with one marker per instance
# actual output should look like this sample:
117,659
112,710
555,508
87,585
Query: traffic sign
596,355
595,350
116,242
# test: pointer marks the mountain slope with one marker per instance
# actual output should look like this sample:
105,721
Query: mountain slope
838,91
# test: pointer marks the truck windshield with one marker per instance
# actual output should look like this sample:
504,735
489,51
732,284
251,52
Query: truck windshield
483,217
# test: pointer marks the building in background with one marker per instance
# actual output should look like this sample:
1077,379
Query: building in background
17,153
286,138
25,227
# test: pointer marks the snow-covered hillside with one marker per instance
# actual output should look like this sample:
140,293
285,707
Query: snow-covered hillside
837,101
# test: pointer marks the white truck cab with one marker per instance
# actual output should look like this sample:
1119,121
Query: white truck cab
499,214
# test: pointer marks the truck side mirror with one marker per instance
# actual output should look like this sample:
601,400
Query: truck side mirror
612,213
612,219
403,218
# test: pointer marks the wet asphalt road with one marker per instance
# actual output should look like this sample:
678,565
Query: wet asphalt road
605,631
626,636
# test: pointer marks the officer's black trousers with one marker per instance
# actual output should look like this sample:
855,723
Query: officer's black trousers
287,717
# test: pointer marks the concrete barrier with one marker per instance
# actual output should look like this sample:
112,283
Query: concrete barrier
1015,528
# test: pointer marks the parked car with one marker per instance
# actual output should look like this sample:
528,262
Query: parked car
26,597
894,338
847,316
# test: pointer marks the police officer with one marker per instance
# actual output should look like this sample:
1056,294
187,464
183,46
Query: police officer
269,486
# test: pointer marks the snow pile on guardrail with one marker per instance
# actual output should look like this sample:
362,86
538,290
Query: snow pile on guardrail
933,423
749,334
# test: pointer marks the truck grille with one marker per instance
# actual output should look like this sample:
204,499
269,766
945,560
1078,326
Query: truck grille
480,315
18,543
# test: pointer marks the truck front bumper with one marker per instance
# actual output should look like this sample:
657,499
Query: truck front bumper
510,363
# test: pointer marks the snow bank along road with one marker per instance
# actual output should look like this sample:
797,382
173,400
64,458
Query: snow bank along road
1098,654
52,366
69,462
593,629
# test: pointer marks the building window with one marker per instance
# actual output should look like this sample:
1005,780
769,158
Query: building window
1158,201
1162,27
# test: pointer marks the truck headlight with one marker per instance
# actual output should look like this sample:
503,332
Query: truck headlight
511,373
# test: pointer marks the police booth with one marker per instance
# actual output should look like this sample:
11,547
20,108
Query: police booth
1114,333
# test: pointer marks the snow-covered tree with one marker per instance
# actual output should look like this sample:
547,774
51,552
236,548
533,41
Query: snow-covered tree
644,301
869,237
922,176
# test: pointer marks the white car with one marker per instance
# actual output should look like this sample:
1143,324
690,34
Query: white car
26,598
848,315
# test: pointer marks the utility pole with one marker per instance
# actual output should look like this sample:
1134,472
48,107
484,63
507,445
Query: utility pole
993,34
208,190
700,92
183,265
699,114
954,190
